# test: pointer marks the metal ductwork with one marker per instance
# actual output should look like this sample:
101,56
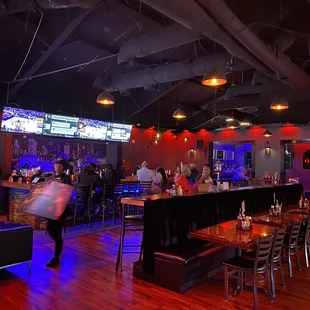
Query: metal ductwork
162,74
15,6
238,91
164,38
192,16
291,74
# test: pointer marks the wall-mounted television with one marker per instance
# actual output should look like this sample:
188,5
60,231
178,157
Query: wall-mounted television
60,125
26,121
92,129
23,121
118,132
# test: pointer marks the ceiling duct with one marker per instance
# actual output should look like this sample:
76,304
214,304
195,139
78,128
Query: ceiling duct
192,16
16,6
237,91
291,74
163,39
162,74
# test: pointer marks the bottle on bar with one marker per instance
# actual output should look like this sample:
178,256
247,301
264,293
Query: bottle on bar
301,202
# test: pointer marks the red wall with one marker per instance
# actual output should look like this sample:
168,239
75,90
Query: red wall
168,152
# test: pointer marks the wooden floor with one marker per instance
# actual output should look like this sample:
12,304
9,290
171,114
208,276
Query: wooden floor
87,280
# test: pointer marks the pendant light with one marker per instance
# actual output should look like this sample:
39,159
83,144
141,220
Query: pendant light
279,105
105,99
233,125
267,134
214,78
179,114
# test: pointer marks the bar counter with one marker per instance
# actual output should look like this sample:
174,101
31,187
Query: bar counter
166,215
15,193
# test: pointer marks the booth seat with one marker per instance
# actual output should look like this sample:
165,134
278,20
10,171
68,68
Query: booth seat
16,244
180,268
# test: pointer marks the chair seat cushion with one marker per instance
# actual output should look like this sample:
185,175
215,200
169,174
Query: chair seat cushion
243,262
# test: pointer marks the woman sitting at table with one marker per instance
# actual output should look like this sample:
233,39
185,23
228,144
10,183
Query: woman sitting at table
184,183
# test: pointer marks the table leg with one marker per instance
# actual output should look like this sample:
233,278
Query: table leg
238,288
122,234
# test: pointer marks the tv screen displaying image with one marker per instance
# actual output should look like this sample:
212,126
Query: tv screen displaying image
22,121
91,129
60,125
118,132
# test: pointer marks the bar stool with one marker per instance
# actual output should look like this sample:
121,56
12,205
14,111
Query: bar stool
129,223
107,200
83,199
145,187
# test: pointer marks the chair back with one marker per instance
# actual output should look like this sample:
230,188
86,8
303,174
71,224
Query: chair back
145,187
277,244
307,234
263,250
294,232
108,191
83,190
133,187
119,189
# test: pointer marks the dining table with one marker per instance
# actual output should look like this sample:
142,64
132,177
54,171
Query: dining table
283,219
227,234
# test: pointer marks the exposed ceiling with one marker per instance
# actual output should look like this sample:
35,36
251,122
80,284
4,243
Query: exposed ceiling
151,55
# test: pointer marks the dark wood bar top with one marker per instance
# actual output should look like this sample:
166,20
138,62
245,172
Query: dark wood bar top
140,200
25,186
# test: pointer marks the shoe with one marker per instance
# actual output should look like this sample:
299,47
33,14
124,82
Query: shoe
54,262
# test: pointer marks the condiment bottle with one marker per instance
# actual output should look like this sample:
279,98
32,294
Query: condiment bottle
301,202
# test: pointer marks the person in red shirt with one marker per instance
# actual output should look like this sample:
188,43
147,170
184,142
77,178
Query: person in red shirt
183,182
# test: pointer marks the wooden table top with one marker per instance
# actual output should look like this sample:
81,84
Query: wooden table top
25,186
140,200
227,234
295,209
284,218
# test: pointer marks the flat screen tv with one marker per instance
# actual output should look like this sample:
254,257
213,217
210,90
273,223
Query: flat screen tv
60,125
91,129
118,132
23,121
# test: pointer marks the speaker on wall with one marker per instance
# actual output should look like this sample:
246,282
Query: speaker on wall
200,144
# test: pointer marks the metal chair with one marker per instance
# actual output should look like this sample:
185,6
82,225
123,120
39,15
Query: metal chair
83,199
276,258
241,265
290,244
304,241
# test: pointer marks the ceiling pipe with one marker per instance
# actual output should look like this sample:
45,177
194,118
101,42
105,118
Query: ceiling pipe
15,6
290,73
191,15
237,91
163,39
162,74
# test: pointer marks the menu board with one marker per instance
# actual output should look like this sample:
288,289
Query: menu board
60,125
118,132
91,129
23,121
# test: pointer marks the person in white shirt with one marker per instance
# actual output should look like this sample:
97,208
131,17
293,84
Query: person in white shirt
144,174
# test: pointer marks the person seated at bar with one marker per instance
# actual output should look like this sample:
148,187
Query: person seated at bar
144,174
89,177
194,173
54,227
206,171
110,176
185,184
161,177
